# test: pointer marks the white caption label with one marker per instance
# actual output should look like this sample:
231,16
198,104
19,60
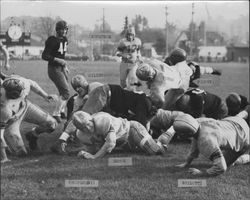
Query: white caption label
192,183
125,161
81,183
208,81
100,75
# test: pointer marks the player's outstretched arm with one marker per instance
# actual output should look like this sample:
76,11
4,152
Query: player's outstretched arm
194,153
38,90
108,146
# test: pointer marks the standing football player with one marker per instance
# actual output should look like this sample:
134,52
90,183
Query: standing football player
129,50
4,63
54,53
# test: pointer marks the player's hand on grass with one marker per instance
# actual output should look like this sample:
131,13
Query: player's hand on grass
183,165
85,154
194,171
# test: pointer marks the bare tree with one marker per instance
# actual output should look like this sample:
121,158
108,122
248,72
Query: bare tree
47,26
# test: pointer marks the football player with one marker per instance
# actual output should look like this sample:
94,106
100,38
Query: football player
77,101
83,88
54,53
112,132
198,103
116,101
5,55
189,70
220,141
129,50
164,82
15,108
4,63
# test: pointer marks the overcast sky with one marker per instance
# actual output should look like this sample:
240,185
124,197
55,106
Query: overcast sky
87,13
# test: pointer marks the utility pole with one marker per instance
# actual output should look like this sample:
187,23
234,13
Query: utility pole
103,21
166,29
103,30
192,34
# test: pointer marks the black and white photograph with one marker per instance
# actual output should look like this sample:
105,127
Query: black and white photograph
124,100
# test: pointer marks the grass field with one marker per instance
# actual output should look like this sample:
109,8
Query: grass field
42,175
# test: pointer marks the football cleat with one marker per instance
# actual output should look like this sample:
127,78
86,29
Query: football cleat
32,140
59,147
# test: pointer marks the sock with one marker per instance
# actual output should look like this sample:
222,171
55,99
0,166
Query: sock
64,136
62,105
56,111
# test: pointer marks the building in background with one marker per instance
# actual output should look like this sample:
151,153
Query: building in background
212,53
238,53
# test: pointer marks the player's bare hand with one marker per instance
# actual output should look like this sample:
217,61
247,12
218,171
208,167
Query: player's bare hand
194,171
66,69
183,165
60,61
85,154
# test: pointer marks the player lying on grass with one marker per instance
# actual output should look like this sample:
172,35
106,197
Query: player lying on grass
189,70
111,132
15,108
198,103
164,82
221,141
118,102
236,104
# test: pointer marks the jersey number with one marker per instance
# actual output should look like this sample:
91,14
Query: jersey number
62,48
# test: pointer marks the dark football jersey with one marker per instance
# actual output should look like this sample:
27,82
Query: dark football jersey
54,47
